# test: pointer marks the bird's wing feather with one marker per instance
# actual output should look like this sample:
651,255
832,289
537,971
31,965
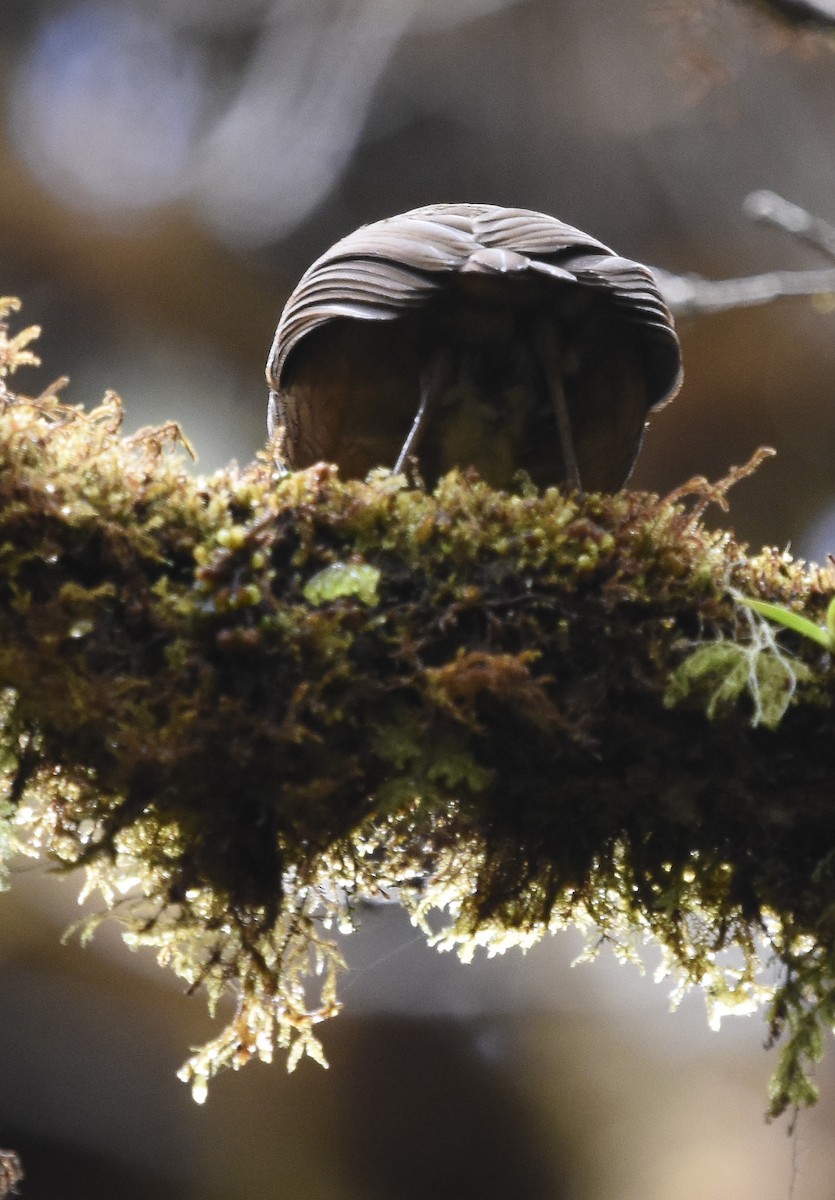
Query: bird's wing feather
383,268
371,289
530,232
634,294
391,266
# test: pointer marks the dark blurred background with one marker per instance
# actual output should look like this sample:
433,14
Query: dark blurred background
167,170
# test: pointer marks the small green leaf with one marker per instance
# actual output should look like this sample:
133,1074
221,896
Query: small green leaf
830,619
799,624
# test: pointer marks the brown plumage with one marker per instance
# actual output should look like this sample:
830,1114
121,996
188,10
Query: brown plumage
472,335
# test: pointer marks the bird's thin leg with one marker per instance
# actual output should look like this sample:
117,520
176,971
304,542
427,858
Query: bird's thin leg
416,432
550,357
432,381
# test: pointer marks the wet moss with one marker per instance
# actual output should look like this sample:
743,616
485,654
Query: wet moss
262,697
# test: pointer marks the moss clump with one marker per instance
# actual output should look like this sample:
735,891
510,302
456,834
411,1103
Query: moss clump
259,698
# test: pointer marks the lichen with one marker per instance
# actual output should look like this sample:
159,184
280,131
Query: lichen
726,669
241,704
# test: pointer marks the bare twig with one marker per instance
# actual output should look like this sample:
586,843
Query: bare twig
691,295
773,209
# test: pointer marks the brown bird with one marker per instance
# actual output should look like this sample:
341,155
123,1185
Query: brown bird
472,335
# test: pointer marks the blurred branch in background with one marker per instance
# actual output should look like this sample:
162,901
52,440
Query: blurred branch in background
301,106
689,295
772,209
254,140
800,14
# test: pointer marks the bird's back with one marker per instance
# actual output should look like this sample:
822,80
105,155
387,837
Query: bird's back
475,282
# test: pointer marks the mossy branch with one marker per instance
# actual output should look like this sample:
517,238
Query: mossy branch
244,703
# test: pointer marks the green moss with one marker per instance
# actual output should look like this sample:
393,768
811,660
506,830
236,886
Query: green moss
343,579
262,698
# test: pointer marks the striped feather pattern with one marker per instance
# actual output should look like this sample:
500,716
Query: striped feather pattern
404,268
